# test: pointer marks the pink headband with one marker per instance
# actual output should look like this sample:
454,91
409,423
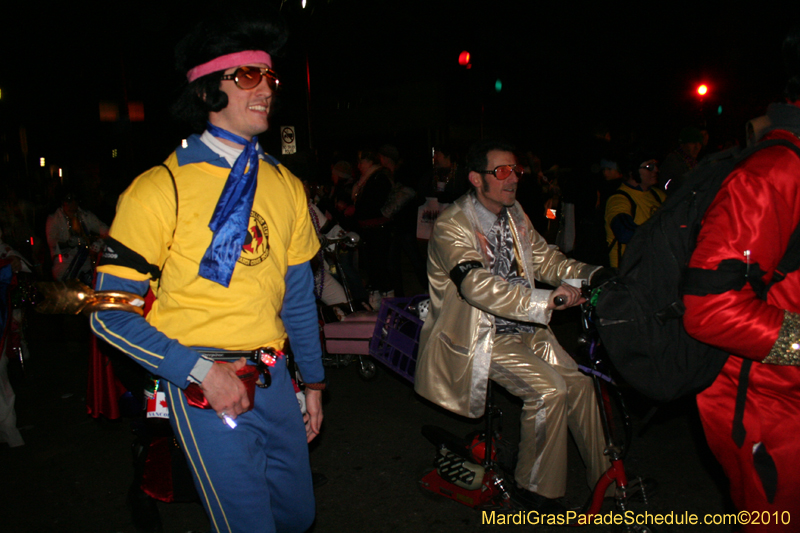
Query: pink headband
248,57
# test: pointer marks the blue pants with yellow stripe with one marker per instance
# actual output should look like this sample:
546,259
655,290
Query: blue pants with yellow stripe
256,477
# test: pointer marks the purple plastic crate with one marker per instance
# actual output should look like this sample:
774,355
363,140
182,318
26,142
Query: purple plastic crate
396,338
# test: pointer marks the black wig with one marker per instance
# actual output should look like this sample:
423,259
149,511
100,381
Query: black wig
236,31
477,159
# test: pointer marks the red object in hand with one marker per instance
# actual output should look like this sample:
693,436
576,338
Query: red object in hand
248,374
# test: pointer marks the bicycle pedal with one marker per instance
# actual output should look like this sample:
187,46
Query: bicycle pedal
642,489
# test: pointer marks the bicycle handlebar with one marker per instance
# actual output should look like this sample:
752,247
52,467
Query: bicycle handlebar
348,239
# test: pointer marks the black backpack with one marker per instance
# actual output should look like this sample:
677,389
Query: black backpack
639,311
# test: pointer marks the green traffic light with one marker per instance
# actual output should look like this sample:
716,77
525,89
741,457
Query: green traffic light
498,85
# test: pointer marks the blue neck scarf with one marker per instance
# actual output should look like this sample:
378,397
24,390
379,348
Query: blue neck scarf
232,214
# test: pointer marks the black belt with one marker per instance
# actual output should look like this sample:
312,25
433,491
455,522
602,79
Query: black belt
233,355
264,358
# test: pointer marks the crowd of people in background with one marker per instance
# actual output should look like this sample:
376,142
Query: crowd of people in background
589,206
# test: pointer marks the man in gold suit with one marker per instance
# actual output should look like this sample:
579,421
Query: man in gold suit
488,321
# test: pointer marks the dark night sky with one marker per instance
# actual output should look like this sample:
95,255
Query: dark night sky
391,69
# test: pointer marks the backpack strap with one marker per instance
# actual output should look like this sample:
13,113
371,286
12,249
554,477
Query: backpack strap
655,195
633,215
791,256
175,188
788,263
116,253
630,199
733,274
738,433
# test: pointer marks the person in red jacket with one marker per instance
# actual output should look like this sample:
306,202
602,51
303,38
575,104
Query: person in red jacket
748,225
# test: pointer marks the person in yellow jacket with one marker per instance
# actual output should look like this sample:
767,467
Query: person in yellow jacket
632,204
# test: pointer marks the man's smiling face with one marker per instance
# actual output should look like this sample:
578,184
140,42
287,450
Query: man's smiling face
247,112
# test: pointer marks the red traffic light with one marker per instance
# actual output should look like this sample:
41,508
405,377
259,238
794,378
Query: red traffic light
702,89
463,58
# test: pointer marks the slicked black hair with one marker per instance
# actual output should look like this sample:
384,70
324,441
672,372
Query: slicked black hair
235,31
477,154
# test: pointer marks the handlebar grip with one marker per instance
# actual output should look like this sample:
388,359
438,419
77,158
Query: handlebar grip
559,301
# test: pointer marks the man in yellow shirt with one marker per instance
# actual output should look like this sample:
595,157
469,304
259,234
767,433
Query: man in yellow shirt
221,233
632,204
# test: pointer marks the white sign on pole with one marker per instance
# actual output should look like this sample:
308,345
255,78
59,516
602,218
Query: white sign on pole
288,140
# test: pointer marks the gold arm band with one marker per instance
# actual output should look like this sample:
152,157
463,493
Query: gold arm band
786,350
73,297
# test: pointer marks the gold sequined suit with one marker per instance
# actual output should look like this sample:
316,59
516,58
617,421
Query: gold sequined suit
459,351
